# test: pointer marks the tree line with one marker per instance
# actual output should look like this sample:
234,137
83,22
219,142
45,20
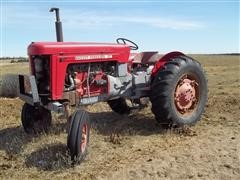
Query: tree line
15,59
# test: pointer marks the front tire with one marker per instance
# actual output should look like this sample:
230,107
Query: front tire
179,92
78,135
35,120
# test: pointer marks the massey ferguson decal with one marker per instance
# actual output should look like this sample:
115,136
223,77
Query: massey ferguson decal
97,56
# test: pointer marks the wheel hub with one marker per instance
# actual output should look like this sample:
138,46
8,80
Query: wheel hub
185,95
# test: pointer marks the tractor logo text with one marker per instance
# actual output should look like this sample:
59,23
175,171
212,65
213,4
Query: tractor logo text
97,56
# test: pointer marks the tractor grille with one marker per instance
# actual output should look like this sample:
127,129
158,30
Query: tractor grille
41,66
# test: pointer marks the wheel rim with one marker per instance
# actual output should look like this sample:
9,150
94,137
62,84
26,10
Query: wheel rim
83,144
186,96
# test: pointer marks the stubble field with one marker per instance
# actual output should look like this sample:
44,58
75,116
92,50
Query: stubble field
134,146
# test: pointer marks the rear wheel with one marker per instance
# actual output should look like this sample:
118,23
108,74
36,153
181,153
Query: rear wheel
78,135
35,119
179,92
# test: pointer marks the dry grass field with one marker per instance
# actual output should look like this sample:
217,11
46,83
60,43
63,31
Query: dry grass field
134,146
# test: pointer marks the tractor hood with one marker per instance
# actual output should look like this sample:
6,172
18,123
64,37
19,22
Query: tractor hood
64,48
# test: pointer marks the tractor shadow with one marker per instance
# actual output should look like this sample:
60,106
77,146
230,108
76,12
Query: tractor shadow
51,157
108,123
54,157
14,139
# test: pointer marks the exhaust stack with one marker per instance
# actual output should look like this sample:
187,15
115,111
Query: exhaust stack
58,25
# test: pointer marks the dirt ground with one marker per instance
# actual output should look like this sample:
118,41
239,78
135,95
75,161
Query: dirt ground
135,146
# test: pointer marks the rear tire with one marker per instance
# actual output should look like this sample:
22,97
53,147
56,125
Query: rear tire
179,92
119,106
78,135
35,120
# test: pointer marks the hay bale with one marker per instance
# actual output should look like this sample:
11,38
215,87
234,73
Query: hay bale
9,85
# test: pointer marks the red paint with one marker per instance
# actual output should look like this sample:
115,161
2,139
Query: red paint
83,143
185,94
64,53
94,89
165,59
67,50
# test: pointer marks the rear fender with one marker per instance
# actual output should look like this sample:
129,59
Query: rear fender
160,63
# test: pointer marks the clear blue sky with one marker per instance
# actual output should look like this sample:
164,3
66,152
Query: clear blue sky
188,26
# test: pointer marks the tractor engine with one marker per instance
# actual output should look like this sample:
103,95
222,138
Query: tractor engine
94,82
89,79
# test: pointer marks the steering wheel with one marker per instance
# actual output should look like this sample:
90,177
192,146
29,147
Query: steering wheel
133,46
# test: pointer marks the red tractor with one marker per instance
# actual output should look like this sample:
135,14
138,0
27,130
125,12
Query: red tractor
65,74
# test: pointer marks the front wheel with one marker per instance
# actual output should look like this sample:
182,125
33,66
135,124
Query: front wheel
179,92
78,135
35,119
